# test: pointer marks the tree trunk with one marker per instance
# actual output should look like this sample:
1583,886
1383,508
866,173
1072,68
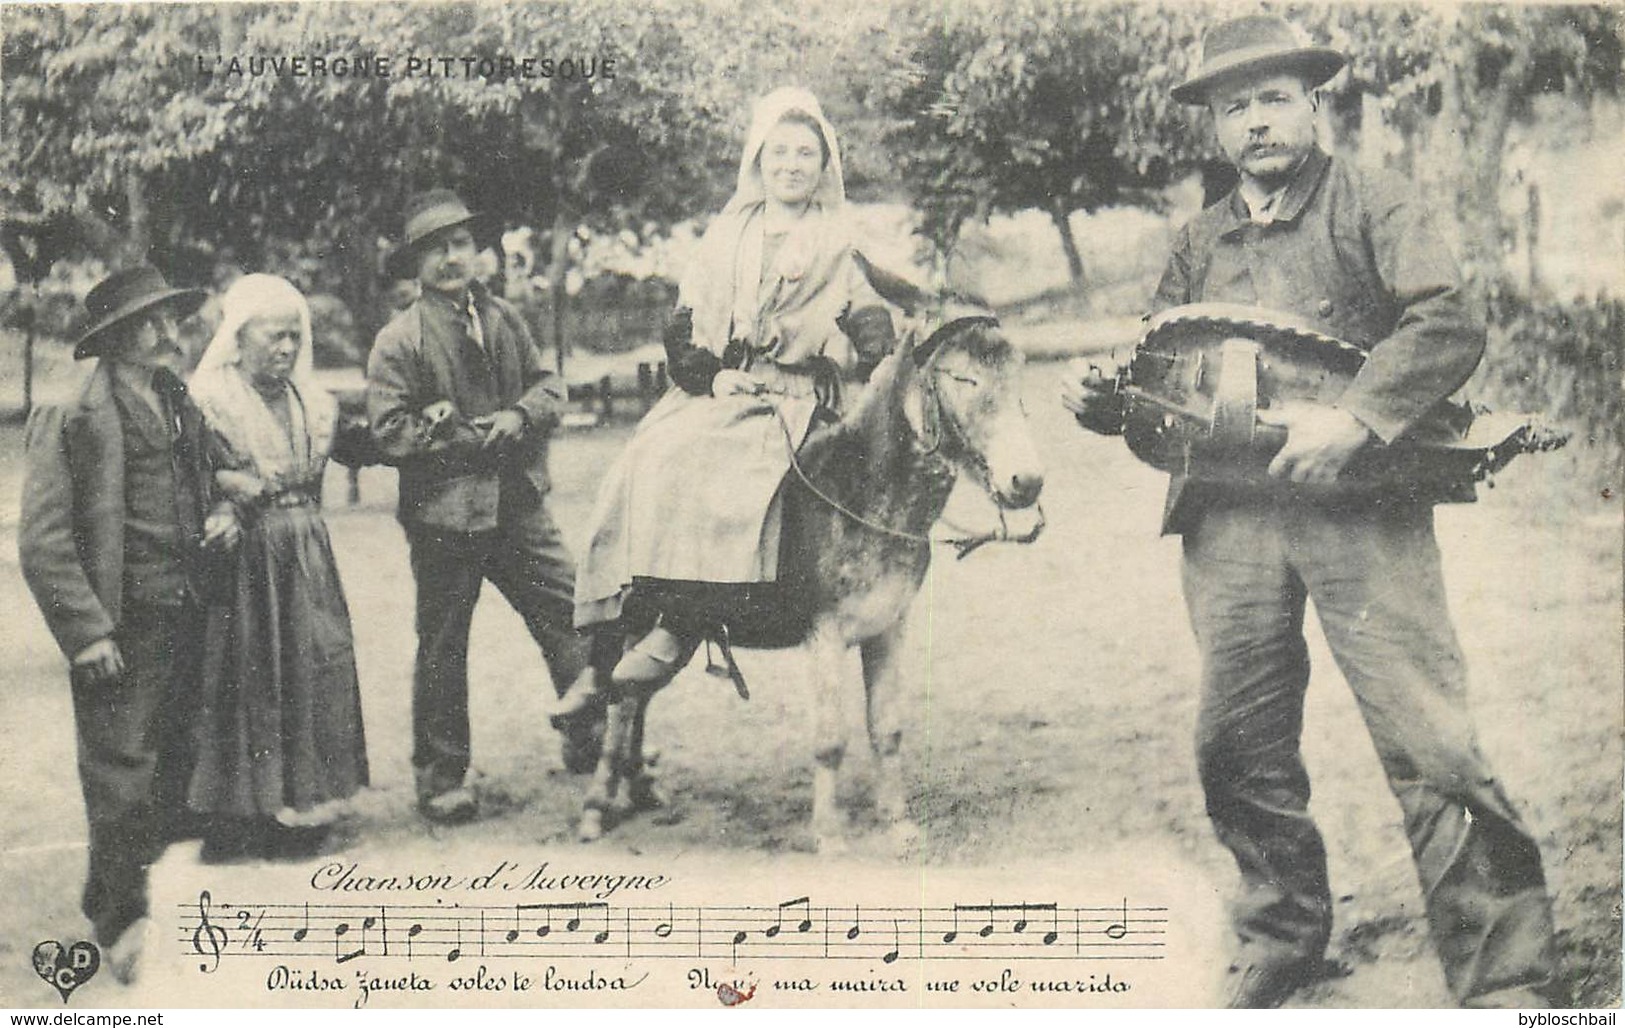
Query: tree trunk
31,316
138,237
1062,218
1483,256
558,265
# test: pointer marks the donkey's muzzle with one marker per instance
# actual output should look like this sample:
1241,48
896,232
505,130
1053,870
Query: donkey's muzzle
1019,490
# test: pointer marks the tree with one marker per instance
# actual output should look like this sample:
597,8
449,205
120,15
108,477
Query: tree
280,166
1453,80
1058,107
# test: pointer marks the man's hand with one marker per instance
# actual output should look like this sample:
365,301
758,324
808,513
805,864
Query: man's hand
1319,441
100,662
730,382
221,530
1089,394
501,428
439,417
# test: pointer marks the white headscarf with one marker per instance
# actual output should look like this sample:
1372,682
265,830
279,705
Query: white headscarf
236,410
785,315
768,112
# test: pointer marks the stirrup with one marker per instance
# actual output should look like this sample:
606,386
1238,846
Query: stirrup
730,668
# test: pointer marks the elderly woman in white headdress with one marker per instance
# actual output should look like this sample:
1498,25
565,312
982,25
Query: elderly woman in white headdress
772,310
280,736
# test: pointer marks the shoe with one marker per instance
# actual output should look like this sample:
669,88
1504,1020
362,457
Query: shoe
1521,997
124,957
652,659
295,842
583,697
1262,986
458,806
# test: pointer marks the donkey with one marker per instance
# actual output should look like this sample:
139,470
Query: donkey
860,500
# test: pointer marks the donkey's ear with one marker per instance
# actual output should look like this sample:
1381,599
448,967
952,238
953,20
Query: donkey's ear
892,287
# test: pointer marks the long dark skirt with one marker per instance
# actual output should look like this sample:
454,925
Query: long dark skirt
280,721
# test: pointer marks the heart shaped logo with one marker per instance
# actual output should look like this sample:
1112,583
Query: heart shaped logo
65,968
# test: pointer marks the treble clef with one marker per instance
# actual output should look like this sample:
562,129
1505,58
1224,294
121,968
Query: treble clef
215,935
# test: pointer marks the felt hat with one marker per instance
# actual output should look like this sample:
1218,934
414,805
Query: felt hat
1257,43
428,217
123,295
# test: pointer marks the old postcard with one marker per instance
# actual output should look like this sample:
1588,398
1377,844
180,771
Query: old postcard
708,504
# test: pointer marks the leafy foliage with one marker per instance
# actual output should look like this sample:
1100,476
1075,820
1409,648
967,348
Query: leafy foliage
1058,107
1565,359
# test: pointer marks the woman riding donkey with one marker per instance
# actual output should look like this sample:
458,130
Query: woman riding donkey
772,312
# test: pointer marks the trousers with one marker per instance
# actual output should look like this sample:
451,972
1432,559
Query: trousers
1373,572
136,757
526,559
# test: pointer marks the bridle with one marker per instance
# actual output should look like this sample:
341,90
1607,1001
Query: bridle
947,446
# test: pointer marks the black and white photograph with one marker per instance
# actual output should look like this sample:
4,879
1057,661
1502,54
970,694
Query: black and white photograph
870,504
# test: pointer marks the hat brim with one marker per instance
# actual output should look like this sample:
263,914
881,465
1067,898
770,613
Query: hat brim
1316,64
93,340
402,262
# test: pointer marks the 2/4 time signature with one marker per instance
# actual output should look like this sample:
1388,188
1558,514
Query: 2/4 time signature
795,928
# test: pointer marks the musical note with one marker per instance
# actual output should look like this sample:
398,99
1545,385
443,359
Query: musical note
456,952
544,930
215,935
896,944
806,922
1118,929
340,930
1111,930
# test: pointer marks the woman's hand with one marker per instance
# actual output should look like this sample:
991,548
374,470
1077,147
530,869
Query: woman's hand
221,529
239,486
99,663
730,382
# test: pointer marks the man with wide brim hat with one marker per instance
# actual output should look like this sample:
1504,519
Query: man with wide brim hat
1257,43
430,217
1349,254
118,533
124,295
462,404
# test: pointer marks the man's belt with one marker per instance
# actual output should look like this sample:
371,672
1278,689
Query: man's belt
1202,372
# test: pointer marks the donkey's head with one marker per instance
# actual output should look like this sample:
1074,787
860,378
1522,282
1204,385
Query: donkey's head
965,405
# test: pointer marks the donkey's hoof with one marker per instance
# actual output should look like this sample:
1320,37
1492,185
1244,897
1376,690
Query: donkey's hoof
644,794
581,743
592,826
